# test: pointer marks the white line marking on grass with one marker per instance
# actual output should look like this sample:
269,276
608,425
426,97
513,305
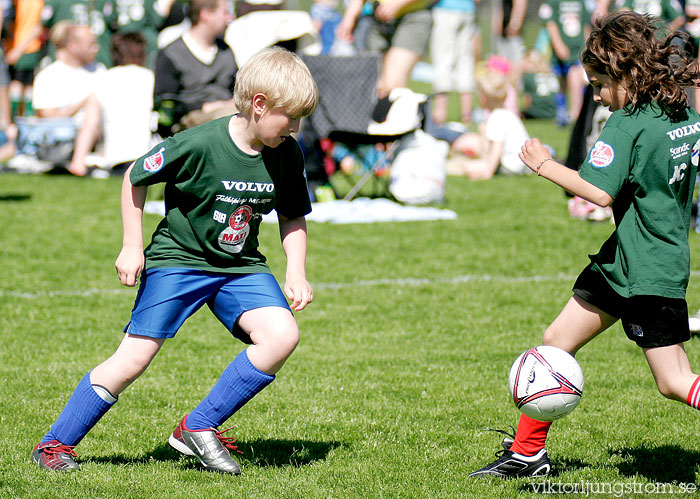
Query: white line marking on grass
416,281
50,294
407,281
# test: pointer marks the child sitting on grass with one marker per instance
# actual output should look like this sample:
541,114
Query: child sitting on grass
495,148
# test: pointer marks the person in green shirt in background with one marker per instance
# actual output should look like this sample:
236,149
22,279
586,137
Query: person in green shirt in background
98,14
567,23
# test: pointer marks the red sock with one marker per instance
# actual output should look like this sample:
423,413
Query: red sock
693,399
531,435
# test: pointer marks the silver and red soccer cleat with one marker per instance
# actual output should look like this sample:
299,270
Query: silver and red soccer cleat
208,445
53,455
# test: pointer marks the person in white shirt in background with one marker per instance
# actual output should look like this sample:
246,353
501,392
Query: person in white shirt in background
64,89
125,94
495,148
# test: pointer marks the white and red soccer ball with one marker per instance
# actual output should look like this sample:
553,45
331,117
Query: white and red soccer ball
546,383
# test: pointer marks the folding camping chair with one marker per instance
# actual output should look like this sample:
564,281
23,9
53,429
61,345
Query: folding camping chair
349,111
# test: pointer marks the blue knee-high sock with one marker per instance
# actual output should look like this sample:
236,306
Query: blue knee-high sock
83,410
239,383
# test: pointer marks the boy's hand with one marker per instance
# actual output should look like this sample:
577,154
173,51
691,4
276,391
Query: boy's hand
562,51
345,29
387,11
299,291
129,265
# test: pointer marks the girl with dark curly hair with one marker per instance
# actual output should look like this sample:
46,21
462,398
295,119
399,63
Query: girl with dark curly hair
644,165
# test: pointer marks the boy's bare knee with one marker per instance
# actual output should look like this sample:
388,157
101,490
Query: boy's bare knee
278,335
287,339
133,367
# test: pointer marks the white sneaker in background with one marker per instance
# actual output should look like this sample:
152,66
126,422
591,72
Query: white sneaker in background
694,322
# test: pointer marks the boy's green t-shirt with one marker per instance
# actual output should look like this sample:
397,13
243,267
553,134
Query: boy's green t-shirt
98,14
648,165
140,16
215,197
666,10
571,17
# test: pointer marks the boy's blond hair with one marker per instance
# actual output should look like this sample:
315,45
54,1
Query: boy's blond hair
493,85
284,79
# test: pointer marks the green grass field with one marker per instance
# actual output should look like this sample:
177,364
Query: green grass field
403,360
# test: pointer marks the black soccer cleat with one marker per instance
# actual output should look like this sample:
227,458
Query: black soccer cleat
509,464
512,465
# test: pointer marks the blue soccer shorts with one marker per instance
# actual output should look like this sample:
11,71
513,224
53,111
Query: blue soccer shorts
561,68
168,296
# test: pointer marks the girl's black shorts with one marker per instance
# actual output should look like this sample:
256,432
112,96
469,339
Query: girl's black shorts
650,321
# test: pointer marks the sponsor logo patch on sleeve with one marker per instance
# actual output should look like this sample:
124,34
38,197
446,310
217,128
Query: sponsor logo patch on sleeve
695,153
601,155
155,161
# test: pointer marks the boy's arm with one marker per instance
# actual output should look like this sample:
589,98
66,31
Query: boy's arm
537,158
130,261
676,23
517,17
344,31
387,11
13,55
167,84
558,45
602,7
494,151
62,112
485,167
296,287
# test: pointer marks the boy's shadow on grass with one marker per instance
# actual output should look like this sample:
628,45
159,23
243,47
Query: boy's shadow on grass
262,453
660,464
295,453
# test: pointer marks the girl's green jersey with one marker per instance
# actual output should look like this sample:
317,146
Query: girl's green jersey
648,164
